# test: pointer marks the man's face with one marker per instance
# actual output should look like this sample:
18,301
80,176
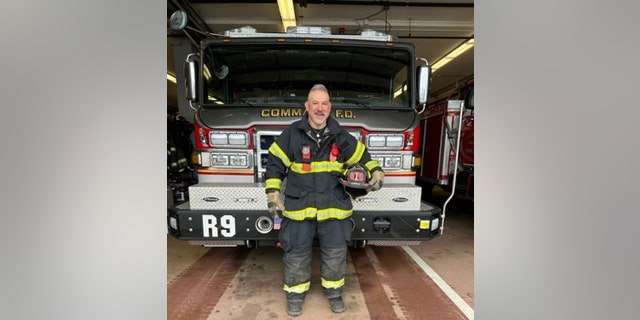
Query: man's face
318,108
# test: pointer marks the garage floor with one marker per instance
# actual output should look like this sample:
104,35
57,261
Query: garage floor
434,278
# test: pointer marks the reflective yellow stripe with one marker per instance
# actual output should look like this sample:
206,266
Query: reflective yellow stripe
317,166
371,165
332,284
334,213
320,215
276,151
301,288
357,155
273,183
300,215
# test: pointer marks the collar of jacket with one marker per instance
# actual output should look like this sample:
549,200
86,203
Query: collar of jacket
332,127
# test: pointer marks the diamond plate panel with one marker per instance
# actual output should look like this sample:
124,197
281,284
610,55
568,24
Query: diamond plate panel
251,196
228,196
399,197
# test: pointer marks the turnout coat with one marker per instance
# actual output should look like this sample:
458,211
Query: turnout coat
312,164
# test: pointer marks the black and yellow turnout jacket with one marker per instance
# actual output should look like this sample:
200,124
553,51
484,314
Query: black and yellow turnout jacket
312,166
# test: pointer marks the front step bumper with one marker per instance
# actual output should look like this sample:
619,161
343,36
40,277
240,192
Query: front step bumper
237,227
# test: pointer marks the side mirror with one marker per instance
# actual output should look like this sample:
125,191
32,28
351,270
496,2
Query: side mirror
191,71
178,20
468,101
423,83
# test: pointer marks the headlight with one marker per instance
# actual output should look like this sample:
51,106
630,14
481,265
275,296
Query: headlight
219,159
435,223
228,139
218,139
238,160
393,162
376,142
385,141
238,139
395,141
230,160
173,223
400,161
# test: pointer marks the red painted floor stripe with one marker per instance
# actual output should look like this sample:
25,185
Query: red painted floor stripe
416,295
378,304
196,291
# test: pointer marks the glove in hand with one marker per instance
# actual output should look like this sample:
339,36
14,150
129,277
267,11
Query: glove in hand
377,178
274,203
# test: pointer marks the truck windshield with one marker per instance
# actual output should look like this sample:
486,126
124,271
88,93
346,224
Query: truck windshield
264,74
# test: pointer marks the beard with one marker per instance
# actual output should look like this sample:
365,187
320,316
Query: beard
318,118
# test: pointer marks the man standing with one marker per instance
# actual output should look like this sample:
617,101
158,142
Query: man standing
312,153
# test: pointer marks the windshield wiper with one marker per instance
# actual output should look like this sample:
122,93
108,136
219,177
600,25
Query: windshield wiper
292,100
358,103
243,101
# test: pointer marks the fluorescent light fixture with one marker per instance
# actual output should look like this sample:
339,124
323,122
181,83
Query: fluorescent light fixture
207,73
171,78
399,91
214,99
453,54
287,13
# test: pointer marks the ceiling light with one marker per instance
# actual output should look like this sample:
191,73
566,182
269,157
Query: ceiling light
171,78
399,91
453,54
287,13
207,73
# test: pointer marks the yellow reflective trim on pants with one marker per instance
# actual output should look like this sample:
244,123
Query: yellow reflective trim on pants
273,183
332,284
357,155
299,215
320,215
276,151
333,213
301,288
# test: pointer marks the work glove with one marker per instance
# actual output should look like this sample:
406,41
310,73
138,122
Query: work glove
274,203
375,183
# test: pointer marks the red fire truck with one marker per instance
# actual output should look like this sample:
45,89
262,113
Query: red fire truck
246,87
441,125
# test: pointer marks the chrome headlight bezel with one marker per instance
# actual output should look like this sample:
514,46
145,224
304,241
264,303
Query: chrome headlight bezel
385,141
229,139
230,160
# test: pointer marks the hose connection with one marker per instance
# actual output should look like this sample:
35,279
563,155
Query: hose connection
264,224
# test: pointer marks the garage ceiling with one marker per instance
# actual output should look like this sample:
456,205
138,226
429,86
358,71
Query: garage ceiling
435,27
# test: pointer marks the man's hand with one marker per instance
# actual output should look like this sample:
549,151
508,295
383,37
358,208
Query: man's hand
376,181
273,201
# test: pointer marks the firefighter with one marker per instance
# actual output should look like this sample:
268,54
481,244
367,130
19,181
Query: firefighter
312,154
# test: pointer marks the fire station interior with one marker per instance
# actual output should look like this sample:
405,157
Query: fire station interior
442,33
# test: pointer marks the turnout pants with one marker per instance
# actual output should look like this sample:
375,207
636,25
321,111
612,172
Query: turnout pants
296,238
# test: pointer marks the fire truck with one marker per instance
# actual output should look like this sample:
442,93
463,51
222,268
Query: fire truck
246,87
448,126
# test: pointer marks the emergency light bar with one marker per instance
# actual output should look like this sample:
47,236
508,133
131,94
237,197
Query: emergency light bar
306,31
